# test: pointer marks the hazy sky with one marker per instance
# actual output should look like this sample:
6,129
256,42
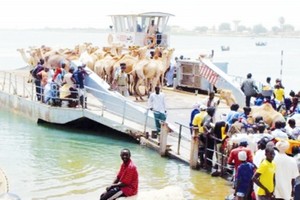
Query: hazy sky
188,13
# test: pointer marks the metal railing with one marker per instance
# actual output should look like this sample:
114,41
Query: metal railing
106,103
180,136
220,156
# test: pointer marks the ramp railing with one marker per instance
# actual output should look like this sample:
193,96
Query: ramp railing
16,83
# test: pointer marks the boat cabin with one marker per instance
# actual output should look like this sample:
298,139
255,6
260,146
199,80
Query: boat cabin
132,29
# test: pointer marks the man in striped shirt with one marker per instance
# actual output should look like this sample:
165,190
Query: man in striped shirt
126,182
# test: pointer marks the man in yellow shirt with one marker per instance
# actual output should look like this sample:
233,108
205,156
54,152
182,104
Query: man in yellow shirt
279,94
198,122
264,176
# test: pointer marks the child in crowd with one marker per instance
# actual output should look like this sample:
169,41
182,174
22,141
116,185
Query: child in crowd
244,185
259,99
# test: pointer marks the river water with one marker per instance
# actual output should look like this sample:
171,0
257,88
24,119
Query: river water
51,162
243,57
44,161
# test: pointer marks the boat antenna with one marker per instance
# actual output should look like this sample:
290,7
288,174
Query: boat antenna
281,64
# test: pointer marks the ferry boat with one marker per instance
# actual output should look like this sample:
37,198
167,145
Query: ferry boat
131,29
225,48
110,108
261,44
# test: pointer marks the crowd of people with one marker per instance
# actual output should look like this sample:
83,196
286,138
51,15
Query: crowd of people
270,169
53,85
275,95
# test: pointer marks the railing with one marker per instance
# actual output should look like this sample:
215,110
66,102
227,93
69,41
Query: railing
221,157
16,84
106,103
180,136
240,79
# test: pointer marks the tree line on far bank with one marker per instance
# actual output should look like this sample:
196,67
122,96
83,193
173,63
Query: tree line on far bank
225,28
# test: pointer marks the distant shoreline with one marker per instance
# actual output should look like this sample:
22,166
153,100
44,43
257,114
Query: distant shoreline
187,33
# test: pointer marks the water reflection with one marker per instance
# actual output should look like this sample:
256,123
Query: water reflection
51,162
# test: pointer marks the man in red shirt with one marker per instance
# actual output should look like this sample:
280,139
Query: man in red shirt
233,156
126,182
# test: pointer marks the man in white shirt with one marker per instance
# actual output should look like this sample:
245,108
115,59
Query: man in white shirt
278,133
152,29
291,129
157,104
286,172
211,101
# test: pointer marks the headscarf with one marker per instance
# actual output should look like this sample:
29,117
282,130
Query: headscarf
282,146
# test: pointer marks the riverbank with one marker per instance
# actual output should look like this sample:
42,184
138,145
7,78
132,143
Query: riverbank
177,32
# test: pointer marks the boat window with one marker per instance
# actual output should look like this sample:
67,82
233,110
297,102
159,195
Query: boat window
113,22
131,24
140,25
125,27
118,24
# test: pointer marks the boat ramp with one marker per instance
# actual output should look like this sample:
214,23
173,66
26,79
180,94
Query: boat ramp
112,110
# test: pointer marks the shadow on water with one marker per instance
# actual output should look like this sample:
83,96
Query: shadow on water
89,127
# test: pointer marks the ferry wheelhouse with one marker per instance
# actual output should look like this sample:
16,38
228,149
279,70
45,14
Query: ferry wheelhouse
131,29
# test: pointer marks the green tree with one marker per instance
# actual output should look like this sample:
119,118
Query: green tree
258,29
241,28
201,29
281,21
224,27
275,29
288,28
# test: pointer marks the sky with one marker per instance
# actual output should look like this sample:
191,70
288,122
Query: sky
189,14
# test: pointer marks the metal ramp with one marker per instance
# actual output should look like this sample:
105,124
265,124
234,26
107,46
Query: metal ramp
116,103
225,81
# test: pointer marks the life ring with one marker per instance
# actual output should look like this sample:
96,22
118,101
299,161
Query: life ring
152,38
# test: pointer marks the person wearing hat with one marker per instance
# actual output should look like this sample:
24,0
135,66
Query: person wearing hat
286,171
122,81
198,120
195,111
233,156
245,171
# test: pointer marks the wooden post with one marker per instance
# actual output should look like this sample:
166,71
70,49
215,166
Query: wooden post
194,150
163,137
